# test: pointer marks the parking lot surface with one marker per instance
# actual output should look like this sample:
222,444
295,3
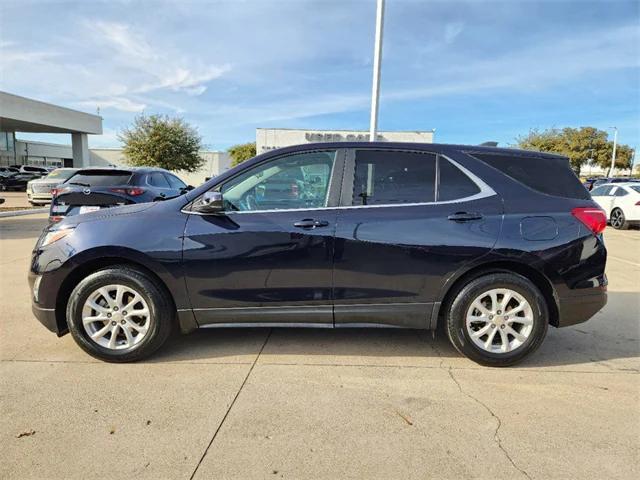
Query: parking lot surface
285,403
15,200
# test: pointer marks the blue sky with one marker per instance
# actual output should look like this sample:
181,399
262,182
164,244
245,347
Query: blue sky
473,70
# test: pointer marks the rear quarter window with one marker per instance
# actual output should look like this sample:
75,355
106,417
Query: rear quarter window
550,175
453,183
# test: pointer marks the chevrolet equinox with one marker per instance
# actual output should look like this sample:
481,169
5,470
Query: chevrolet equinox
492,245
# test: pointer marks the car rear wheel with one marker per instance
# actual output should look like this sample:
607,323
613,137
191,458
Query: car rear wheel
618,220
497,319
119,315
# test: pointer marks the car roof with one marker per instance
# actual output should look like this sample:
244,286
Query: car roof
123,169
432,147
630,183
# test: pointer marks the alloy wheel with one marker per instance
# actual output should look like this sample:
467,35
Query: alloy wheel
116,317
617,218
499,320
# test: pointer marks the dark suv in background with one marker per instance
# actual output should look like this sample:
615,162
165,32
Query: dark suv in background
492,244
91,189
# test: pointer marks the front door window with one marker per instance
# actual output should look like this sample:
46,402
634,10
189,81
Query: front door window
298,181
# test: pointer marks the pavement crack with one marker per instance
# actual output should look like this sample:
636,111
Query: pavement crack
215,434
496,433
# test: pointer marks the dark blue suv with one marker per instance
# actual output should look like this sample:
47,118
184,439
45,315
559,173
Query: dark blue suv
491,244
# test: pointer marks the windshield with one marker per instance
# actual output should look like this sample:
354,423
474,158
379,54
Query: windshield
100,178
60,174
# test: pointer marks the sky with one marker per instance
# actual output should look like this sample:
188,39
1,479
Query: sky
473,70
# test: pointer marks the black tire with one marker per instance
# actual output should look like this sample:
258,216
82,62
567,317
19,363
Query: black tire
162,313
618,220
456,311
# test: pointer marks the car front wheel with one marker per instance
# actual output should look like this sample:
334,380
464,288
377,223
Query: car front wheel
497,319
119,315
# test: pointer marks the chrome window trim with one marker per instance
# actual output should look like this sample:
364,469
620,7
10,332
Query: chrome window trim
485,192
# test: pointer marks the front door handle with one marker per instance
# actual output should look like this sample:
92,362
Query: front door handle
464,217
309,223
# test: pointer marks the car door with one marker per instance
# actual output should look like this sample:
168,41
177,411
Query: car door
601,196
407,221
160,185
177,186
269,256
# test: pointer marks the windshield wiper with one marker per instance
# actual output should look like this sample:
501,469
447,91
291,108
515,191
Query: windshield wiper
79,184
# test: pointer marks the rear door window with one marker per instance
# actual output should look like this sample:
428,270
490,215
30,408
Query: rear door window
157,180
174,181
550,175
389,177
100,178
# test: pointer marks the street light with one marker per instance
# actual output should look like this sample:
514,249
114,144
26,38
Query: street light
615,145
377,58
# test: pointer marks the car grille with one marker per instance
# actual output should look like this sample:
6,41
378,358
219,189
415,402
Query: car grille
42,187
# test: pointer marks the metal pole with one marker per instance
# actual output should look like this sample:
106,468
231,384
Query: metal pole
615,145
377,57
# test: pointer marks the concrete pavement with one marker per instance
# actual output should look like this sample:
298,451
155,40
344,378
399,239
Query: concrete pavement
285,403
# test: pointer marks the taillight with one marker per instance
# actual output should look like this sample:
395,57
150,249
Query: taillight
593,218
132,192
637,203
55,218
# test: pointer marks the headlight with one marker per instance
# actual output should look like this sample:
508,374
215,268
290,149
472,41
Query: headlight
55,235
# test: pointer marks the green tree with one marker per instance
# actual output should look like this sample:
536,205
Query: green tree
161,141
582,146
624,156
242,152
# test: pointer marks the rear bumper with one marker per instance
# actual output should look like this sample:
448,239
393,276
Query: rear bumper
581,308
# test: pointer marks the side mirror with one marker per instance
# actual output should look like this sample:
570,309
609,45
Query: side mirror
211,202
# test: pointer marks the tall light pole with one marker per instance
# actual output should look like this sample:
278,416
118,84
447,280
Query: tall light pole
615,145
377,58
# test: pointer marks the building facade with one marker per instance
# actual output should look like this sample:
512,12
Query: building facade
272,138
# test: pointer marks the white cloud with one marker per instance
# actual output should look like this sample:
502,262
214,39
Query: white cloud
452,30
119,103
125,41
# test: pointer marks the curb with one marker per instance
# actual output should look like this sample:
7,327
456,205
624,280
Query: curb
17,213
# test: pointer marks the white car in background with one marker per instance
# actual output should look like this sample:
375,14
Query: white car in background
621,202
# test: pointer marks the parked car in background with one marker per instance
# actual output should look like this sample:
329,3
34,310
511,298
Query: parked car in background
8,171
621,203
32,169
16,181
493,244
589,182
603,180
39,189
91,189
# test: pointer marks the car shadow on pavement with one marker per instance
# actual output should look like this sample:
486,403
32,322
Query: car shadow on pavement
613,334
22,227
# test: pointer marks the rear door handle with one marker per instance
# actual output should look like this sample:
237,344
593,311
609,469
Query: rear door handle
464,217
309,223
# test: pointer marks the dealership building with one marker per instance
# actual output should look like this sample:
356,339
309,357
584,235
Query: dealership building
272,138
19,114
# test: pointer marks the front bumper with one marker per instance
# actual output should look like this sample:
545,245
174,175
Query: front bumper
39,197
46,316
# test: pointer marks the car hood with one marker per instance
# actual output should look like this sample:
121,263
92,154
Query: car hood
107,213
44,180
